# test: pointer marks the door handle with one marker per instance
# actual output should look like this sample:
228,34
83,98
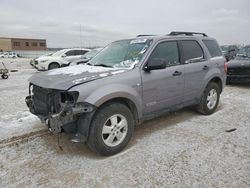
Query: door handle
205,67
177,73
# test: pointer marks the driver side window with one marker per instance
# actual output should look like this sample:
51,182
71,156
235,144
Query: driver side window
167,51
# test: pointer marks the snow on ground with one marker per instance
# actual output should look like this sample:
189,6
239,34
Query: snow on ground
183,149
15,119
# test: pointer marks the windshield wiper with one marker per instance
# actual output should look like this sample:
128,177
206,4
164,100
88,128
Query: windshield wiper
103,65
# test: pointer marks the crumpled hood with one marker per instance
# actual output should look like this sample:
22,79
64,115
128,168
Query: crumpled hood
239,63
65,78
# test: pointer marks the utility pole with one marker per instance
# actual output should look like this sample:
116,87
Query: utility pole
81,36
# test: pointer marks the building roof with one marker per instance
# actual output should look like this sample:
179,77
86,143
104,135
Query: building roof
21,38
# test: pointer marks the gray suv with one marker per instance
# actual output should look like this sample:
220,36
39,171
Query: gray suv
128,82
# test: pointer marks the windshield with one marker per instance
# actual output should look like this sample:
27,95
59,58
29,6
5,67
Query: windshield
244,53
58,53
121,54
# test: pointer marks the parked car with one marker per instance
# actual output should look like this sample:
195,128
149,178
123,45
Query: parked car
9,55
229,51
32,61
59,59
239,68
128,82
86,57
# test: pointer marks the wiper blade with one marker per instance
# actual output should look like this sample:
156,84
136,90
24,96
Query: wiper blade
103,65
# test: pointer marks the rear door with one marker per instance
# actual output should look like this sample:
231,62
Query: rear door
163,88
196,68
79,53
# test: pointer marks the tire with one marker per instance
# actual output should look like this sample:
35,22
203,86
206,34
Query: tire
207,106
54,66
5,76
107,138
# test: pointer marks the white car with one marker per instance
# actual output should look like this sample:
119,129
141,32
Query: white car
32,61
8,55
59,59
86,57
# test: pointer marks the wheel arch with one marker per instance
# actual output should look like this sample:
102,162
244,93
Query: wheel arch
218,81
125,101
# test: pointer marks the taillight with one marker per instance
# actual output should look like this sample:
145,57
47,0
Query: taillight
225,66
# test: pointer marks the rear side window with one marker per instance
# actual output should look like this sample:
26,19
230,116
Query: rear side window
167,51
213,48
192,50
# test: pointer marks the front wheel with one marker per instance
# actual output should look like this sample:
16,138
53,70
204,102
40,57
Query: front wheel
209,100
54,66
111,129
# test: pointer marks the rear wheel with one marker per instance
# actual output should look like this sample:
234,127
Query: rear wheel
210,99
54,66
111,129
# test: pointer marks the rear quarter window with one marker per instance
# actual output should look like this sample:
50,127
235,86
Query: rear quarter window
213,48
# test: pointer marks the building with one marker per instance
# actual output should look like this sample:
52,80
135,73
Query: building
20,44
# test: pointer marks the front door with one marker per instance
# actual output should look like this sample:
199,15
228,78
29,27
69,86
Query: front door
163,88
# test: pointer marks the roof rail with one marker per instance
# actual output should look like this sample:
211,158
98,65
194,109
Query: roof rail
145,35
173,33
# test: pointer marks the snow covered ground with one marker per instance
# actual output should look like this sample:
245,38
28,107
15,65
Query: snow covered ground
183,149
15,119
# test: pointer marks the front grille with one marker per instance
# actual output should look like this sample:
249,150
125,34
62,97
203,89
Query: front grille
239,71
45,100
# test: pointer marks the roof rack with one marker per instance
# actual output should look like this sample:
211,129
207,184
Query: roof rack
173,33
145,35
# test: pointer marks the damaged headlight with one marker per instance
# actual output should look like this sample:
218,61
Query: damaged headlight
69,97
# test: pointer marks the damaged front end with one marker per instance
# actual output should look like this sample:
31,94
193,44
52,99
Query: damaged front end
58,109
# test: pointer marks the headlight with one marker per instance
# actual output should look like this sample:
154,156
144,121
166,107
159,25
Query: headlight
43,61
71,96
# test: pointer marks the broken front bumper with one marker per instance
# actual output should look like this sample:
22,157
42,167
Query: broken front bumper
69,113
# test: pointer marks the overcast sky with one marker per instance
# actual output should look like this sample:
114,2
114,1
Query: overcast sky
60,21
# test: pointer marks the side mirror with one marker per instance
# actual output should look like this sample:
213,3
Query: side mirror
63,55
155,64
